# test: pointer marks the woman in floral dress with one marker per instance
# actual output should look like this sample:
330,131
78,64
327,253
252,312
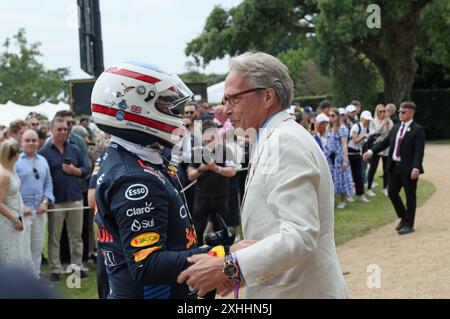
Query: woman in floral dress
337,156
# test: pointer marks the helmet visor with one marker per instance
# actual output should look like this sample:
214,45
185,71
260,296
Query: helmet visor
172,94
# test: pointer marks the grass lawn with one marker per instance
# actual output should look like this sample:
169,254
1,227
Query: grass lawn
86,290
354,220
357,218
439,142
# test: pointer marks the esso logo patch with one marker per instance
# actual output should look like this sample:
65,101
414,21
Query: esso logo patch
136,192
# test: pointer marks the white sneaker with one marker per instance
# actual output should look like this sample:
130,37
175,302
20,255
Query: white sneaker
363,199
385,192
370,193
350,199
341,205
374,185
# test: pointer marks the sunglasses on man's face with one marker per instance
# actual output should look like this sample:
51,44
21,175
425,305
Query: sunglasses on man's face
189,112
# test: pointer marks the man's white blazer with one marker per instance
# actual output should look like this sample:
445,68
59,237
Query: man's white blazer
288,207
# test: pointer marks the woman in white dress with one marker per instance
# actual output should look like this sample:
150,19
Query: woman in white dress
14,242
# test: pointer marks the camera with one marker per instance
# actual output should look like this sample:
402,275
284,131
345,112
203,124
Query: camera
224,236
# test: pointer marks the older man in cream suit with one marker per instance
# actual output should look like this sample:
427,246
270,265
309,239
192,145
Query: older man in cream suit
287,212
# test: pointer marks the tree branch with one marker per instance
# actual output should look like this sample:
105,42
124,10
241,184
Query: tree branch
411,19
372,50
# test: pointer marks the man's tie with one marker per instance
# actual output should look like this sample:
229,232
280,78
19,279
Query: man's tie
399,141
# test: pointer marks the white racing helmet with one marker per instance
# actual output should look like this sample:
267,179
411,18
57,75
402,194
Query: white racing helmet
140,103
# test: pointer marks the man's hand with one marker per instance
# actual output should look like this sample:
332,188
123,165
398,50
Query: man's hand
69,169
242,244
367,155
26,211
42,209
186,121
211,166
205,274
415,173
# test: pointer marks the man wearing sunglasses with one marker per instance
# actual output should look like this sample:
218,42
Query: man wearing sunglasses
79,142
66,167
36,188
406,142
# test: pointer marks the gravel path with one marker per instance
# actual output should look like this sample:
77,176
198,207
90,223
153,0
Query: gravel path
415,265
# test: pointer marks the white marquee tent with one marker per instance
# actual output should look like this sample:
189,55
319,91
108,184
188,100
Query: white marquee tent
215,92
12,111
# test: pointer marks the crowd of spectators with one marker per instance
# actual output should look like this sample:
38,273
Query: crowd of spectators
345,134
53,161
49,164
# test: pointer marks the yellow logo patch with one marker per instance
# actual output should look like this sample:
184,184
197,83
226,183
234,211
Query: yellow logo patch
144,253
145,239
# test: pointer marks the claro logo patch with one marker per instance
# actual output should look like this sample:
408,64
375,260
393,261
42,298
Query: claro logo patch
136,192
145,239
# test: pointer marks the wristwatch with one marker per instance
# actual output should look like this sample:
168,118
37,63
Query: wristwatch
45,201
230,269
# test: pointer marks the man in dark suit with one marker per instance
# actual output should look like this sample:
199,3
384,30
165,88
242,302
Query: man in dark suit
407,142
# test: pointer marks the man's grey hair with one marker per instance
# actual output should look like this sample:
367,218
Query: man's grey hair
265,71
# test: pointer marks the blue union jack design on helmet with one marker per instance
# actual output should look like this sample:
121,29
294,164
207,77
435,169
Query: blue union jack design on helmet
140,103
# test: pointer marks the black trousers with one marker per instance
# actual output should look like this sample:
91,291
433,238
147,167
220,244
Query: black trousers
356,165
233,217
373,169
204,207
102,276
399,178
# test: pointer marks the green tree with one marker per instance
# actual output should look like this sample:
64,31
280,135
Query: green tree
343,32
305,73
193,75
344,46
23,79
272,26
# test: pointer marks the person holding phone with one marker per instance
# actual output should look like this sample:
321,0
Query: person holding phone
14,242
66,167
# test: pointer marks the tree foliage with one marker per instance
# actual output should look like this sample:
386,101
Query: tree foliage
267,25
344,36
23,79
346,48
193,75
305,73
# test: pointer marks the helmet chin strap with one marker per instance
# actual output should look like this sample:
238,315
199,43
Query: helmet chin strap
147,153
